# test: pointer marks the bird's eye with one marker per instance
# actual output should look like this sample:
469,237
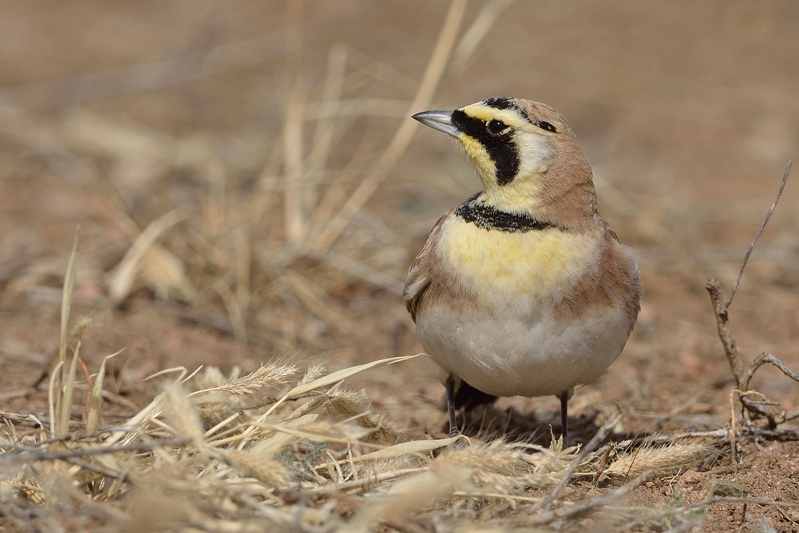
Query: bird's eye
544,125
496,126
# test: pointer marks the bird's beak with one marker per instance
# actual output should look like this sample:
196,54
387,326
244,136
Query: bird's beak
439,120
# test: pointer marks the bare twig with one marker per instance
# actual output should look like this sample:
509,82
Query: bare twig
761,360
593,503
725,330
757,234
733,445
715,434
760,406
743,377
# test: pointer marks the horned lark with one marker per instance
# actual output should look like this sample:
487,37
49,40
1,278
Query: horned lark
523,289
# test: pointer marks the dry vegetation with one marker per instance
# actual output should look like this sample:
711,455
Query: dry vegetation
247,288
289,448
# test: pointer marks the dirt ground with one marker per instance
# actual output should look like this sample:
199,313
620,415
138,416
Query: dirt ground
259,119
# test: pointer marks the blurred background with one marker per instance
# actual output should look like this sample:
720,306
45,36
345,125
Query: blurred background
247,182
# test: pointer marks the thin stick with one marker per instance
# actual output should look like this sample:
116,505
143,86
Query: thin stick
733,444
593,503
722,435
761,360
721,310
759,231
757,407
725,331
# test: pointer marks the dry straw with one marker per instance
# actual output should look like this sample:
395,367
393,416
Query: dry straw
285,447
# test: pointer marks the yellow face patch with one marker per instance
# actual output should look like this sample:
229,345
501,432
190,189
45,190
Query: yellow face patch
531,149
485,113
479,157
501,264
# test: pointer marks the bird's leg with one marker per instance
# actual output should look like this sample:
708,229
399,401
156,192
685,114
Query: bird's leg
564,416
453,425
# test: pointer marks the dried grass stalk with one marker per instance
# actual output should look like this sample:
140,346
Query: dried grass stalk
250,391
182,416
661,460
140,258
261,466
355,405
296,467
94,415
65,414
508,468
411,494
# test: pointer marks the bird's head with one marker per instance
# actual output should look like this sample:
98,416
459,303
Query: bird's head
525,153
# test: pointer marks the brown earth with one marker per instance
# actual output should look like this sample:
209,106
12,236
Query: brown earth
114,114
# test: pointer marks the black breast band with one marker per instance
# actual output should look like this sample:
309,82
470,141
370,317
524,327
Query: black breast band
487,217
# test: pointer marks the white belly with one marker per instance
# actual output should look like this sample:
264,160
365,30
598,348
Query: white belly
530,355
504,334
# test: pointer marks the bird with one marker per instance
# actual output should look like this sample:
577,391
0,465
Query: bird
523,289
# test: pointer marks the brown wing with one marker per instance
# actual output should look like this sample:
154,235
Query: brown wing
421,271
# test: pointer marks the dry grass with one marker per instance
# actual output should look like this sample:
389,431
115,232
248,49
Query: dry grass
285,447
289,446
